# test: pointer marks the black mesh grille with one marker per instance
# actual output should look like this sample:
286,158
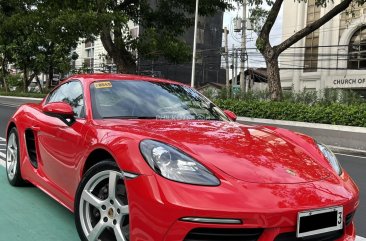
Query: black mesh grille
216,234
331,236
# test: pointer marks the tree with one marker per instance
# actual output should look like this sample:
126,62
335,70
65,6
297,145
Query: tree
59,30
265,19
7,9
162,23
37,38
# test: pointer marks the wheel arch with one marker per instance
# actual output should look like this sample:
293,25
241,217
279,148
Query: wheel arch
11,125
95,157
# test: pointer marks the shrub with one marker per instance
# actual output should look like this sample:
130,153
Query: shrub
332,113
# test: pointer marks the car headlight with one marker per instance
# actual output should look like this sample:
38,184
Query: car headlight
173,164
329,155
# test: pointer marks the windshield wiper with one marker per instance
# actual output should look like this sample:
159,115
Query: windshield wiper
131,117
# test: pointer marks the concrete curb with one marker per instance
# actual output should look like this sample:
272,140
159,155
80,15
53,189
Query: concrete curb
20,98
305,124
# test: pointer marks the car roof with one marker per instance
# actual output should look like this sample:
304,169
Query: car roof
89,78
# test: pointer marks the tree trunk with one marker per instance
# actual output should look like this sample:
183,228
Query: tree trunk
39,84
50,66
49,80
25,79
274,80
4,74
123,67
121,57
271,54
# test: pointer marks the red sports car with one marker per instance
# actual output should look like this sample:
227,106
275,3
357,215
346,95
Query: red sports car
142,159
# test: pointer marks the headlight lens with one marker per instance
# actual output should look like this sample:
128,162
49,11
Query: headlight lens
331,158
172,164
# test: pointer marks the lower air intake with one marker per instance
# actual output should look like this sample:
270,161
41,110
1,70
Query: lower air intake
331,236
218,234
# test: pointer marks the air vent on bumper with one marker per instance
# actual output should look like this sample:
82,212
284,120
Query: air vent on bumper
31,147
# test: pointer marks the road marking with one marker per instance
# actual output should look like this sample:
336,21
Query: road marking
2,159
2,152
9,105
358,238
363,157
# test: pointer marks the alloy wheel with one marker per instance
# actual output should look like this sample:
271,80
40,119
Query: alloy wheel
104,210
12,156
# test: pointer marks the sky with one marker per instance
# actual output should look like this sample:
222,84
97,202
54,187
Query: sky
255,58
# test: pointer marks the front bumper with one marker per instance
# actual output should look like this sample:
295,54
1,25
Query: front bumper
157,206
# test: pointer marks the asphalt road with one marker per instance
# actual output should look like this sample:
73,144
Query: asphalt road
355,165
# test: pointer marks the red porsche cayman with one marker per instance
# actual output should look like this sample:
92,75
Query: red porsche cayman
142,159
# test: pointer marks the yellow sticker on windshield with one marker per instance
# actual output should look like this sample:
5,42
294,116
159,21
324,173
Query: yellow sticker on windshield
102,85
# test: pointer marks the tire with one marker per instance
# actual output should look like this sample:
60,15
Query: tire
12,162
102,213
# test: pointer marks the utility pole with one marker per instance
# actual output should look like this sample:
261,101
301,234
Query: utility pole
236,66
227,58
233,65
243,47
194,46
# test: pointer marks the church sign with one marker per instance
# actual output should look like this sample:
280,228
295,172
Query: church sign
346,82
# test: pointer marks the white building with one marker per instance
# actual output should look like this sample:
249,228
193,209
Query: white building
332,57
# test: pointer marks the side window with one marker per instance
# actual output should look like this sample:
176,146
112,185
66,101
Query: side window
71,93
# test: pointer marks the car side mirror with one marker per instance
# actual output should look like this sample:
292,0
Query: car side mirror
60,110
231,115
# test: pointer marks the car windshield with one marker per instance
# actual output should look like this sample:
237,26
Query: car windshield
150,100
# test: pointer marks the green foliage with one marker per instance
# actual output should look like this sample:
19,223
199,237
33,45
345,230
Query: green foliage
38,35
308,97
163,22
35,38
334,113
14,81
331,106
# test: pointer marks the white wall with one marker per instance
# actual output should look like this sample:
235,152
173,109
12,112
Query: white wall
325,77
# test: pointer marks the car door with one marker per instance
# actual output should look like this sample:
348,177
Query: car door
60,145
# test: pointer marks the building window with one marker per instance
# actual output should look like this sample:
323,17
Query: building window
357,49
354,11
134,32
312,40
89,55
89,44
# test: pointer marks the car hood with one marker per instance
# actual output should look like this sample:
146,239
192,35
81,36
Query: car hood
251,154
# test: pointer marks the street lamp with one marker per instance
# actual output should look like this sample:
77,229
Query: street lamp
194,45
